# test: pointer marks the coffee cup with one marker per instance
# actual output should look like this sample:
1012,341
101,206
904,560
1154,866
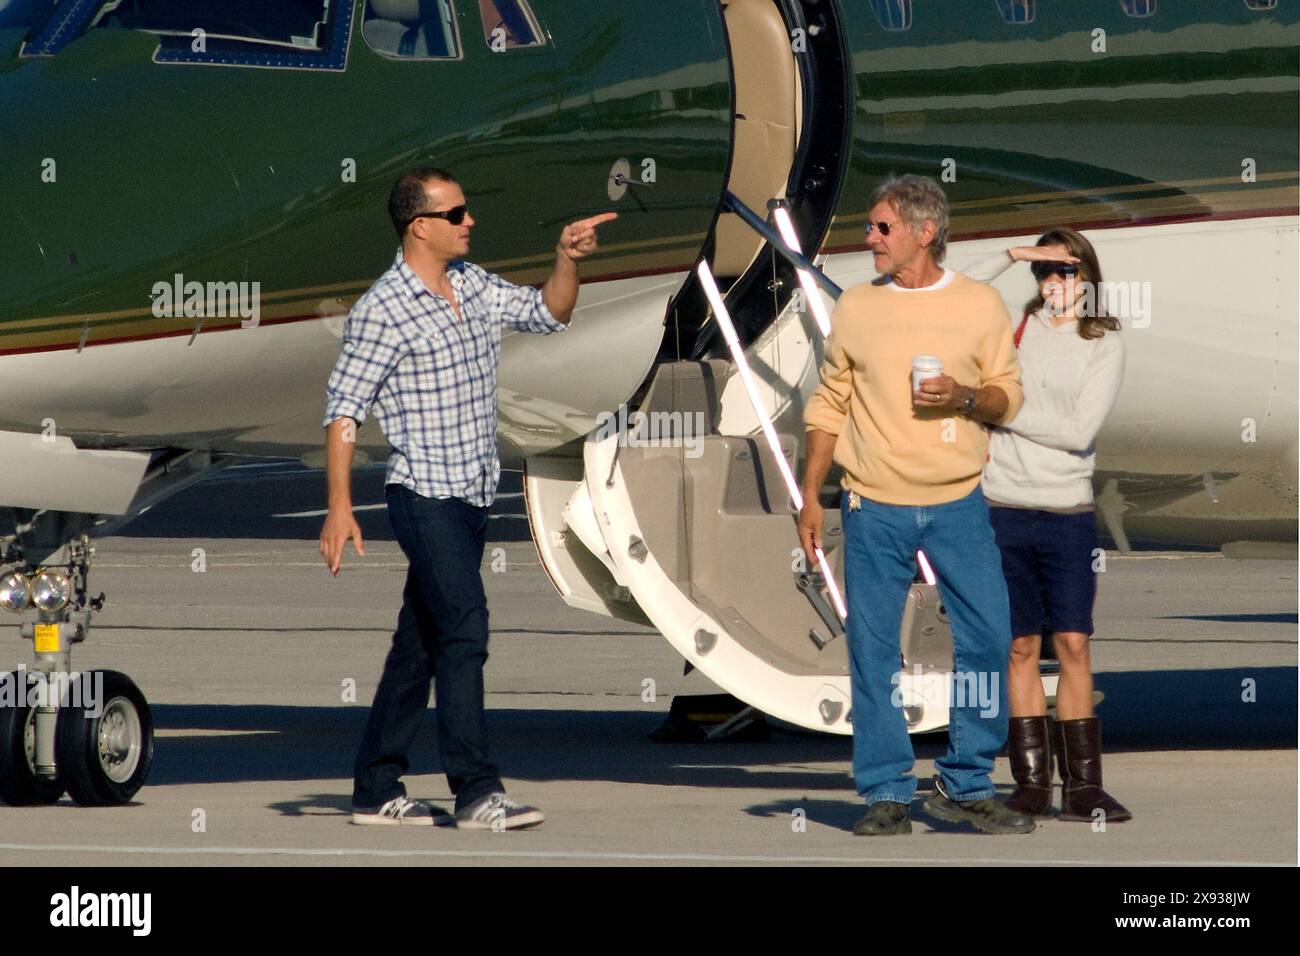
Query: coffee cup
923,367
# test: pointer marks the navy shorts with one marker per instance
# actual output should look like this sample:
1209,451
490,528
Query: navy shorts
1047,559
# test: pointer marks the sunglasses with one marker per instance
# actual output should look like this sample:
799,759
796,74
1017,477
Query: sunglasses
883,227
455,215
1042,270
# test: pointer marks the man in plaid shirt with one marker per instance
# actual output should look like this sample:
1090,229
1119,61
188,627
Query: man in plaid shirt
422,345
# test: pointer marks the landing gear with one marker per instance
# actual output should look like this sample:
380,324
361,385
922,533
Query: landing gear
19,784
90,733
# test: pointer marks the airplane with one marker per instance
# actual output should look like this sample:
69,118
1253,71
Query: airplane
195,195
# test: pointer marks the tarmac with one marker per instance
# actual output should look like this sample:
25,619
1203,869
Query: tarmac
250,664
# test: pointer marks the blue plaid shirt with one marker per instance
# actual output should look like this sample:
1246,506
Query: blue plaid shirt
432,376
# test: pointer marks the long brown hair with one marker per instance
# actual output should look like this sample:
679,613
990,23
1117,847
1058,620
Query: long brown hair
1092,326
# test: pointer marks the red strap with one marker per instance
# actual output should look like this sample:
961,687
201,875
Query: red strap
1021,329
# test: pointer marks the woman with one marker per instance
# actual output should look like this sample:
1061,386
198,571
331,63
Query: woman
1038,483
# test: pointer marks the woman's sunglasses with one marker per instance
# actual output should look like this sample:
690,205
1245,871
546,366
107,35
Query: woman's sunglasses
455,215
1042,270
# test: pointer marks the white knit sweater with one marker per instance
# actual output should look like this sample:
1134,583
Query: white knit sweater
1045,456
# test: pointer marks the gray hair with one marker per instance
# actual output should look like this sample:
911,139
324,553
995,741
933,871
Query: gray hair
917,199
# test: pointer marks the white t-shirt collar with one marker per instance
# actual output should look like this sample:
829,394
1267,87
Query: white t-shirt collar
945,280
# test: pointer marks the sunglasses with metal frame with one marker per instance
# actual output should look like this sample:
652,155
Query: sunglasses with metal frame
883,226
1042,270
455,215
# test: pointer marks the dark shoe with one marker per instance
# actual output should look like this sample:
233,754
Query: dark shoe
1078,754
401,812
884,818
1029,750
987,814
498,812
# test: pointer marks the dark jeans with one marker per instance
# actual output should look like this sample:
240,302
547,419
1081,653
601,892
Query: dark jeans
1048,560
442,635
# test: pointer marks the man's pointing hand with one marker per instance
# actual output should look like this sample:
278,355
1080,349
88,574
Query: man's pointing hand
578,240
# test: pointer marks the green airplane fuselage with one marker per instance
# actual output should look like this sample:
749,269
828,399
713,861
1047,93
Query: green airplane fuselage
119,172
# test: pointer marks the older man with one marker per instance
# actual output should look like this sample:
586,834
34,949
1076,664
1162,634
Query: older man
912,463
422,344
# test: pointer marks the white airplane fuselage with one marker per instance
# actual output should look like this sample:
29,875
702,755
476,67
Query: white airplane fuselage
1210,387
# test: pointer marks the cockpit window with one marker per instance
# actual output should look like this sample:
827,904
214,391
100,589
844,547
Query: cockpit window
293,23
283,34
411,29
508,24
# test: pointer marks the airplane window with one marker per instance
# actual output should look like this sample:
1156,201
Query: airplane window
893,14
1138,8
411,29
508,24
1017,11
287,22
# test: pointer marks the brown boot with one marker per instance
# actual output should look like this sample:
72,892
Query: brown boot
1078,754
1030,754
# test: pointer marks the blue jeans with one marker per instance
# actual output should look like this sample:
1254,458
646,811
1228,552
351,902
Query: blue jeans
880,564
442,636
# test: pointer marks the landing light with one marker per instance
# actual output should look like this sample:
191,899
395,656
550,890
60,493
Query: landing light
15,591
51,590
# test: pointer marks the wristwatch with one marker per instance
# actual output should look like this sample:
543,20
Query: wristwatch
968,403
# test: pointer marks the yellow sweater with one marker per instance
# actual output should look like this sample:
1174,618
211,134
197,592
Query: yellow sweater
891,451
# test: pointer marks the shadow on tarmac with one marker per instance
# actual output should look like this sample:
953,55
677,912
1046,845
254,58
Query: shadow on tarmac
1154,710
268,502
266,499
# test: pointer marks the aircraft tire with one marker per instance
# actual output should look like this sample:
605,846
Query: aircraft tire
104,759
19,785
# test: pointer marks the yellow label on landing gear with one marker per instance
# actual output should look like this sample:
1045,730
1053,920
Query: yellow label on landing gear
47,639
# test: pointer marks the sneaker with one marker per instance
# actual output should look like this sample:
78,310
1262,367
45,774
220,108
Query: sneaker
987,814
884,818
401,812
497,811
